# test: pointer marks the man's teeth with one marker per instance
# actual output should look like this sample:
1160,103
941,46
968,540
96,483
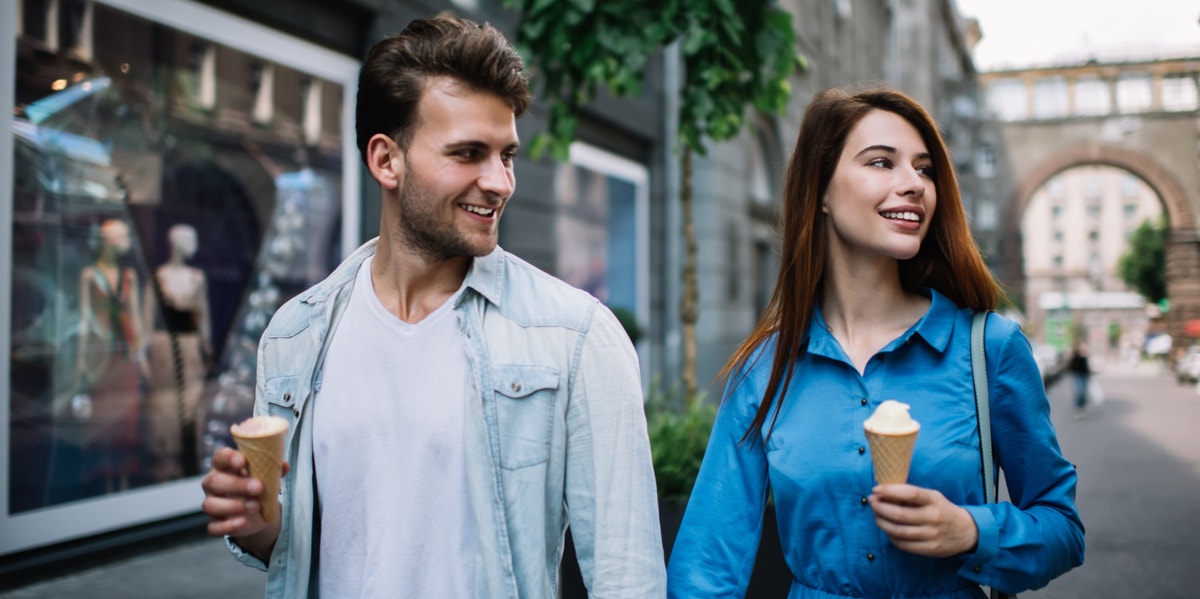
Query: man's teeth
480,210
903,216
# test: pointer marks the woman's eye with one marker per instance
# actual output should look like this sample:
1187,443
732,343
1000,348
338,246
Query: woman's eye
926,171
880,163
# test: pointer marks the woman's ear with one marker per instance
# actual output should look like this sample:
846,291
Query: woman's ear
385,160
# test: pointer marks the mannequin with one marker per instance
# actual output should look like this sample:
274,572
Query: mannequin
109,363
180,350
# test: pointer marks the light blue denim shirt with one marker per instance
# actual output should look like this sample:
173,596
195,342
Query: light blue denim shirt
554,425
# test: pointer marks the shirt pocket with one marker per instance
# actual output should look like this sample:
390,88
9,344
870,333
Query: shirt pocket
525,397
284,396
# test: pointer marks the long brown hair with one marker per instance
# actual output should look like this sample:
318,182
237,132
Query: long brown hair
948,261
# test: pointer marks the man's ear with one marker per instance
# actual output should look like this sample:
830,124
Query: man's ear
385,160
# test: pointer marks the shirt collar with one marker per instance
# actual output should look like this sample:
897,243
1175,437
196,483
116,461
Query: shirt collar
486,275
935,327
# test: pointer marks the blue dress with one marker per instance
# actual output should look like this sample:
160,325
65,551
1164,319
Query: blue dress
818,466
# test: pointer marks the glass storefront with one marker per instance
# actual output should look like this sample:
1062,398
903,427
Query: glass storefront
177,173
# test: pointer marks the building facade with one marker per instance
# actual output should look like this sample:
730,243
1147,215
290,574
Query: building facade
1098,145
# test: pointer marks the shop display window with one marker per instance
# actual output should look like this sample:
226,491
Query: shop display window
177,173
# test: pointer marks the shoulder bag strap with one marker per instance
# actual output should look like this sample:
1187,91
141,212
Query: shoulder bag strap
983,412
983,415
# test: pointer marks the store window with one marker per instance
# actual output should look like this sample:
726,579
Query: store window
601,228
177,174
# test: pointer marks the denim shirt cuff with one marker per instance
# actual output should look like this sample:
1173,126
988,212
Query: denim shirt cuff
244,556
976,565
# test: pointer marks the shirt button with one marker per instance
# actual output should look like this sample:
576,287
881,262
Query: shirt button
863,401
862,450
287,397
978,569
870,557
882,358
516,387
296,411
863,501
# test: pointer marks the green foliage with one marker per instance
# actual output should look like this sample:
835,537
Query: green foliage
736,55
1143,267
678,437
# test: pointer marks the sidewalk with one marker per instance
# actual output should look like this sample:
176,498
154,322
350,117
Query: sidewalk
191,565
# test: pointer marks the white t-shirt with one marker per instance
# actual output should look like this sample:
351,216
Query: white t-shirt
388,448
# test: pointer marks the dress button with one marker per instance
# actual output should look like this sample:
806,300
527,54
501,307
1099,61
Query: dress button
870,557
863,501
863,401
862,450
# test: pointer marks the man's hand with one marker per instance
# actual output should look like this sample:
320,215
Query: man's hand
923,521
232,502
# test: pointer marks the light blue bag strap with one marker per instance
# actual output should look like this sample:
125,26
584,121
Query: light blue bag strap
983,415
983,411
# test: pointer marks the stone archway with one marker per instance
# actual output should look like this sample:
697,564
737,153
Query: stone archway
1183,241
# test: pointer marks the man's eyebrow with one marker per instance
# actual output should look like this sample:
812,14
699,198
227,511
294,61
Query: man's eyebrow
478,145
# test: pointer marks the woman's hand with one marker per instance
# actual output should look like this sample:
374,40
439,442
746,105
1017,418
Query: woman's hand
923,521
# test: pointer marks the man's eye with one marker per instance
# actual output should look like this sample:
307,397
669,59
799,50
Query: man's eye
508,156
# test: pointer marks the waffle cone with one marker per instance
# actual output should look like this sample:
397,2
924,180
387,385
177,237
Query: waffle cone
260,440
891,455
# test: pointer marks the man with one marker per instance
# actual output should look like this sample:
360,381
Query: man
450,404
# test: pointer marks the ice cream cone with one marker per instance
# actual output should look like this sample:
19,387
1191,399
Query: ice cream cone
260,440
891,455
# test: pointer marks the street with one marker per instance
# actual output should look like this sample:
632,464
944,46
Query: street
1139,495
1138,457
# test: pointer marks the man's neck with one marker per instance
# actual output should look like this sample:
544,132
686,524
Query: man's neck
411,286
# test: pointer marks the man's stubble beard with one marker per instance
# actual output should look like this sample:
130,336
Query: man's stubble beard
424,231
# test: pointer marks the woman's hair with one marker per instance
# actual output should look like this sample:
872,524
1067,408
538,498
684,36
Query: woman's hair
947,261
398,68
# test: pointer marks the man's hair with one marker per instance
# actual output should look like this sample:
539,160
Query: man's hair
399,67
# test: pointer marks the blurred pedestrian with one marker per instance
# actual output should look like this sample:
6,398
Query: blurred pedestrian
1081,373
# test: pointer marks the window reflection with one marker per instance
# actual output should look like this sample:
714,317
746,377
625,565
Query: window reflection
169,193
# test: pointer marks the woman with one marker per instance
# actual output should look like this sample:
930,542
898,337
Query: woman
874,301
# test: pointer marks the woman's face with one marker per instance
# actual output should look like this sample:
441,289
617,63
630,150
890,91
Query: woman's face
881,198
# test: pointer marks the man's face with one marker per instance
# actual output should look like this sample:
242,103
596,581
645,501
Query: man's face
457,173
